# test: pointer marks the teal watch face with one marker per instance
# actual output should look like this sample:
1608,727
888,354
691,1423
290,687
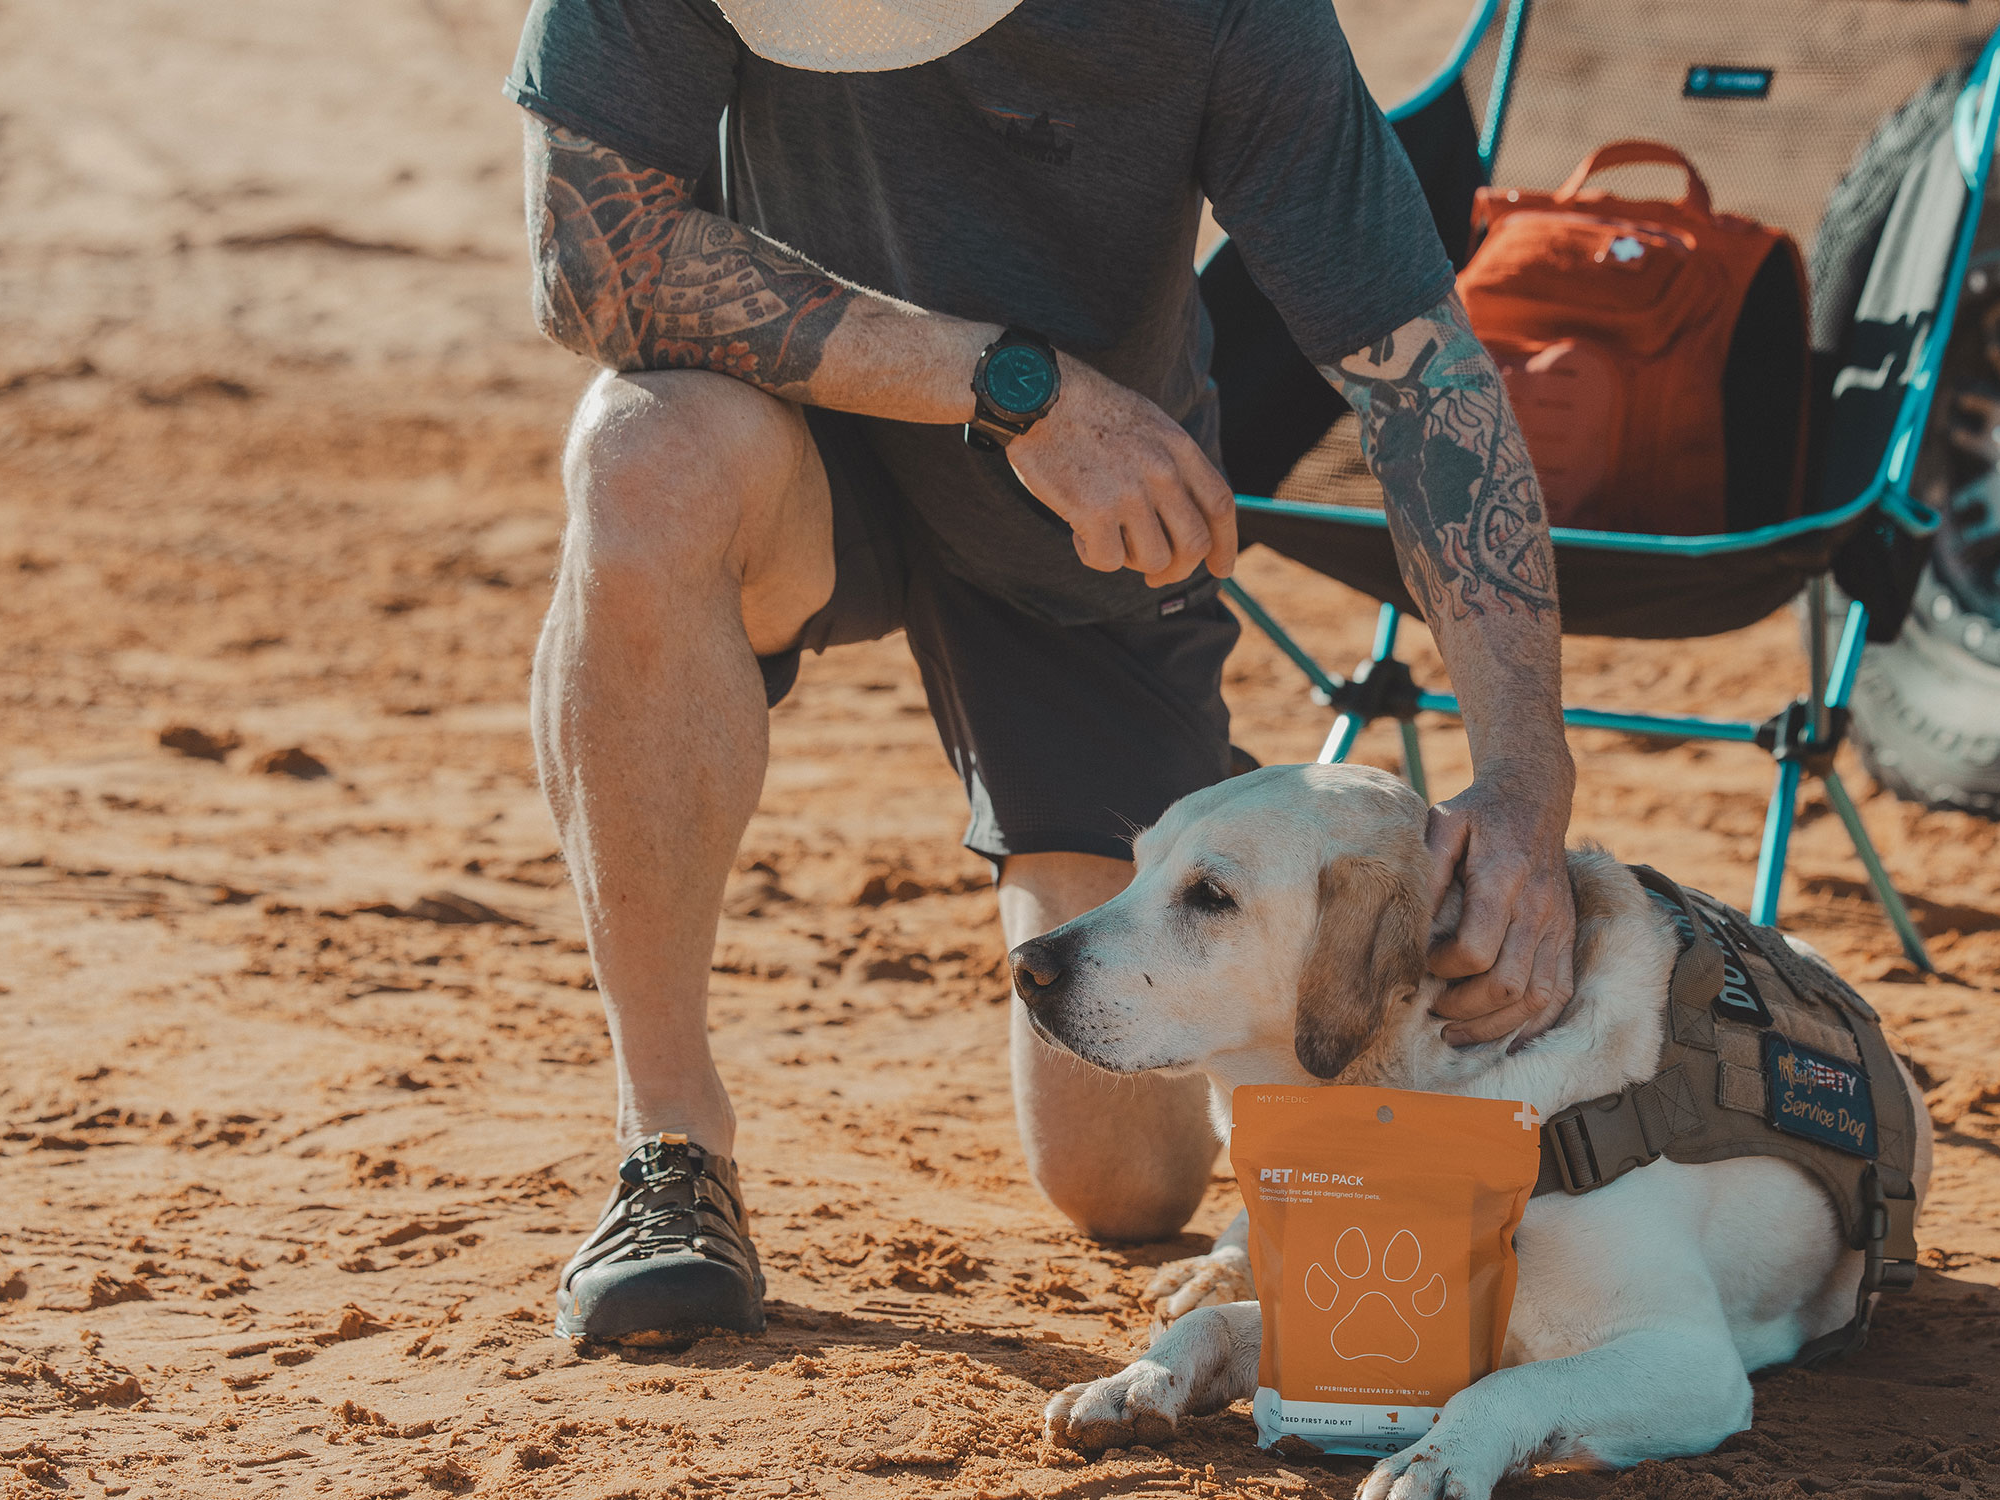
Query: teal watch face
1019,379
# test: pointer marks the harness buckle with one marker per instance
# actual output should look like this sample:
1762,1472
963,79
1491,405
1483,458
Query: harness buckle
1889,1231
1598,1141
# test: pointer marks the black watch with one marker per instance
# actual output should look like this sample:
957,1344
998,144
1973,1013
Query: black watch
1014,385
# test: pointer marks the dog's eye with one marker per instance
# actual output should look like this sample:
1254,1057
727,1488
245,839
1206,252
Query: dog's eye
1206,895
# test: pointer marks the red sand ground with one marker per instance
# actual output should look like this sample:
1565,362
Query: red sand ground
305,1088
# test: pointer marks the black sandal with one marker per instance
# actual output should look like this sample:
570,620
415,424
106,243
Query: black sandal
671,1253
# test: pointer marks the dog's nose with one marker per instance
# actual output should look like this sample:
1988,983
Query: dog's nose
1038,970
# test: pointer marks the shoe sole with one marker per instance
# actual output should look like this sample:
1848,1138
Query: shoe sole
570,1326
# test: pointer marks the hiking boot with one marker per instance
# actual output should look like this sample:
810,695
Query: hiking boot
671,1253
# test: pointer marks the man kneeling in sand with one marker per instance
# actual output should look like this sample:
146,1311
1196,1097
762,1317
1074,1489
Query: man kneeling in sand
946,372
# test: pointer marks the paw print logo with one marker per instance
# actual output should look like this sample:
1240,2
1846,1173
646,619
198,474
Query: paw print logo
1379,1322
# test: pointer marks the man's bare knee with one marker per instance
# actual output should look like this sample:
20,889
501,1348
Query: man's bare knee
1100,1192
1123,1158
676,471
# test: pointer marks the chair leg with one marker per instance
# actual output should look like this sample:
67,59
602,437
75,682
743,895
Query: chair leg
1346,729
1777,839
1413,761
1885,892
1323,682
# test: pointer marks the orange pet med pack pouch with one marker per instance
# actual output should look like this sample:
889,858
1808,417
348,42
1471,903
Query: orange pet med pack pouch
1382,1240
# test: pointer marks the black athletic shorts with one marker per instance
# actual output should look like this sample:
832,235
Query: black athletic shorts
1068,737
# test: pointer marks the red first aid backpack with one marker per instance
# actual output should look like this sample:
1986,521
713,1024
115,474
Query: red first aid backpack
1656,352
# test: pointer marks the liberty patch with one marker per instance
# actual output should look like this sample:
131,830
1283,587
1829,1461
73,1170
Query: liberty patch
1818,1097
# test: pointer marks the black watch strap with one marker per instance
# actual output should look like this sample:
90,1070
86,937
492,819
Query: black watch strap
996,423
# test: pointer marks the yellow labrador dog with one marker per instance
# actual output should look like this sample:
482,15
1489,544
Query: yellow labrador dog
1275,933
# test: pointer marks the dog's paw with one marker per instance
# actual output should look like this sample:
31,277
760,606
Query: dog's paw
1140,1404
1432,1470
1180,1286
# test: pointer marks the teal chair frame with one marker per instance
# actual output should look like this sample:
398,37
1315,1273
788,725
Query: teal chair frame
1803,736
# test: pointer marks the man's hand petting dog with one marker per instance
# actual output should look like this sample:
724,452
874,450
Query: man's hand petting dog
1137,491
1510,955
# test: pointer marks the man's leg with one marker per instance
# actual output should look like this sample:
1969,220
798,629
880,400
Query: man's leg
1125,1158
699,537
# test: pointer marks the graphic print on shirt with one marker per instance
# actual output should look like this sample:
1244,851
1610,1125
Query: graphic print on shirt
1032,136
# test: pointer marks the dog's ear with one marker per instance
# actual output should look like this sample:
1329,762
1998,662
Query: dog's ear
1367,950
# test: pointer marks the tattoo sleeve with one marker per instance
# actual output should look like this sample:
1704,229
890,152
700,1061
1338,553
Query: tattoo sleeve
629,272
1463,504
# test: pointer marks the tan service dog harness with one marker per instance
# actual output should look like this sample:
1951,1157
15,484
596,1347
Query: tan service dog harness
1765,1053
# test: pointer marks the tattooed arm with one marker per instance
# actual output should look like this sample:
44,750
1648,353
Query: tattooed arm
630,273
1466,514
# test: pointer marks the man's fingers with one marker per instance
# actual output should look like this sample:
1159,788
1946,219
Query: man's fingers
1482,928
1222,534
1099,542
1499,983
1445,836
1147,547
1496,1002
1489,1027
1526,988
1185,528
1216,500
1547,993
1136,490
1554,981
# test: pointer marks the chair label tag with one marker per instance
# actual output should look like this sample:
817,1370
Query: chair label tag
1711,81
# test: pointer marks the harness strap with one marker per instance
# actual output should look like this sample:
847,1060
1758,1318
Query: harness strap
1599,1141
1589,1144
1698,971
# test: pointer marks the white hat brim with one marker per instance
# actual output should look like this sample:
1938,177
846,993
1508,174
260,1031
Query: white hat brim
859,36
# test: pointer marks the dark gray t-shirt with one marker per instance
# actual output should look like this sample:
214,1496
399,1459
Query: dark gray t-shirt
1048,174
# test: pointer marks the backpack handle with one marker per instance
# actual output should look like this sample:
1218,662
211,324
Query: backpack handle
1633,153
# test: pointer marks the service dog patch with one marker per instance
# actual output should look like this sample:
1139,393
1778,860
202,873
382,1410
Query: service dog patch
1818,1097
1738,999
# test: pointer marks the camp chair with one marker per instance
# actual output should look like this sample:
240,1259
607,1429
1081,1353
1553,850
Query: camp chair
1785,106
